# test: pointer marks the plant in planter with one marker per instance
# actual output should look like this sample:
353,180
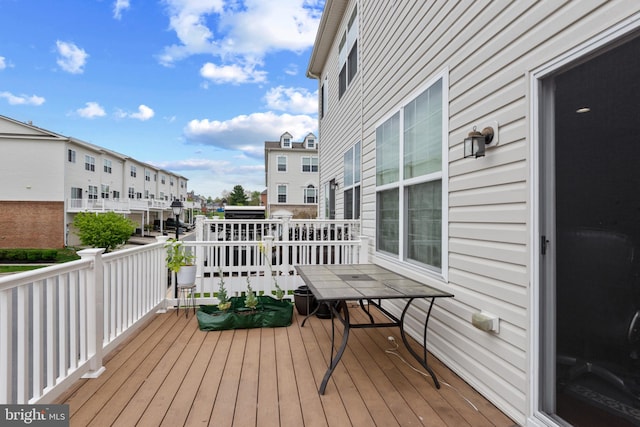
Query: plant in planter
181,261
279,292
224,304
250,301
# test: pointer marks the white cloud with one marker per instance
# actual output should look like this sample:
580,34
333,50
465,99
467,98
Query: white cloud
213,177
3,63
92,109
240,32
298,100
247,133
232,74
143,113
118,7
22,99
71,58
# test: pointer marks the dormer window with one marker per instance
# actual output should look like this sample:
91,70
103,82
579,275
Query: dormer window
285,140
311,143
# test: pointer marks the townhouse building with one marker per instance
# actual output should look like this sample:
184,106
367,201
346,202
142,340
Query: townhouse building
291,176
493,148
48,178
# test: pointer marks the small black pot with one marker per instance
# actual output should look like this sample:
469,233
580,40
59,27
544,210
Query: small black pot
304,300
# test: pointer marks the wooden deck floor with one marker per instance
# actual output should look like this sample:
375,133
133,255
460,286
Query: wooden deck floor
173,374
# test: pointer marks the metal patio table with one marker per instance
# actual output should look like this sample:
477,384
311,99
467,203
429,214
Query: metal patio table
334,285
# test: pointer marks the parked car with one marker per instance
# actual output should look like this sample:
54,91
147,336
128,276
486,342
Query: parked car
171,223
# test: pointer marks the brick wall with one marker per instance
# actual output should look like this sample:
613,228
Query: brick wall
31,224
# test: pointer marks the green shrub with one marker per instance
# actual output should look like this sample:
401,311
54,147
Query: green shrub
105,230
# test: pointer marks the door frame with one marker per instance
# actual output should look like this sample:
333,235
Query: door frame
541,203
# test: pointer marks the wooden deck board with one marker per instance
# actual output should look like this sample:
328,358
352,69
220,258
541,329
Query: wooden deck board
172,374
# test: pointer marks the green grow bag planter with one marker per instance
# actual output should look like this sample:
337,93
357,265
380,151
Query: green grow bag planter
270,313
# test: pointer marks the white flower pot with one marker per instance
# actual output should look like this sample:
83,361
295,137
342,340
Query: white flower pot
187,275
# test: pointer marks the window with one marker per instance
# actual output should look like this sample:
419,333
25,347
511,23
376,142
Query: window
90,163
282,193
171,181
310,194
352,62
76,193
71,156
155,177
132,192
147,176
146,194
348,63
282,163
409,190
134,171
311,143
286,142
116,194
107,166
310,164
92,192
138,195
352,168
162,179
104,191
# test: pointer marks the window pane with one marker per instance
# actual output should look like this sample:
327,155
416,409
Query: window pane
356,202
348,168
348,204
424,223
352,61
388,151
342,81
423,133
356,163
388,217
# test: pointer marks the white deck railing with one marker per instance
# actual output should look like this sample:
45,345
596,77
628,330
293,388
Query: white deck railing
57,323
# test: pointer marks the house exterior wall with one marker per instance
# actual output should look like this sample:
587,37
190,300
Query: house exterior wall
19,163
488,51
31,224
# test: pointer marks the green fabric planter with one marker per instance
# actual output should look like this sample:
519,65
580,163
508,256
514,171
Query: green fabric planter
270,313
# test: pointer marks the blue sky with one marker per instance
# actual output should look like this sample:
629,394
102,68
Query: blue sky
192,86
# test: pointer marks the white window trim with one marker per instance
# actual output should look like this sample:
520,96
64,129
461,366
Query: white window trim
286,163
286,193
444,178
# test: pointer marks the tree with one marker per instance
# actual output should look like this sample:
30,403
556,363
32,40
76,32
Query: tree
104,230
237,197
255,198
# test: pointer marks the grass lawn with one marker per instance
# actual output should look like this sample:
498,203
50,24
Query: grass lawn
18,268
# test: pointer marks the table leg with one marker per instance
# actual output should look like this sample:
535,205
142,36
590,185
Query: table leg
335,312
422,360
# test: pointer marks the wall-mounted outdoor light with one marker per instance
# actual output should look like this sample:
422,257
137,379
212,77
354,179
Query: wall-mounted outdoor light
475,143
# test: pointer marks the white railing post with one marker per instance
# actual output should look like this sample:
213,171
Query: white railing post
364,250
95,310
164,277
268,261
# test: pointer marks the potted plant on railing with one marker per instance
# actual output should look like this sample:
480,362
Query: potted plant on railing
180,260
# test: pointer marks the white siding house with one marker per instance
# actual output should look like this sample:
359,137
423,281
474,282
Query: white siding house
47,178
291,175
401,84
